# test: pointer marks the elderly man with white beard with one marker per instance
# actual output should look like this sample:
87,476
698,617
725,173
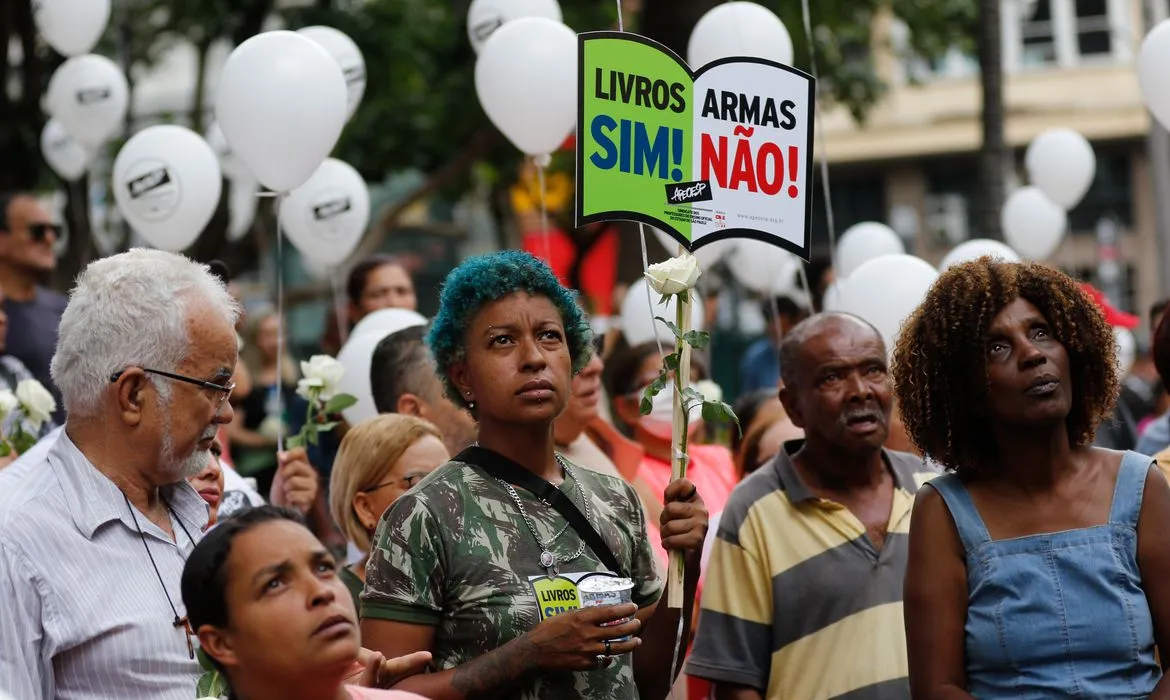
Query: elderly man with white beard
93,539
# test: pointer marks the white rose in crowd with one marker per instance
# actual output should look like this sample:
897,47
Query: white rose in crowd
322,373
306,386
36,401
674,276
8,403
709,389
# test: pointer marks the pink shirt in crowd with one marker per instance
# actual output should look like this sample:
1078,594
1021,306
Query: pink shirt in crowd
359,693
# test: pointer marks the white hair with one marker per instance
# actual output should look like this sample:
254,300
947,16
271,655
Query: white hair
130,310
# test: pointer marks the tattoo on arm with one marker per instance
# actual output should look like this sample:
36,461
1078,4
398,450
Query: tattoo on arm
491,674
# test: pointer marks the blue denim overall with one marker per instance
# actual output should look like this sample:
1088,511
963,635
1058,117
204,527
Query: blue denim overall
1060,614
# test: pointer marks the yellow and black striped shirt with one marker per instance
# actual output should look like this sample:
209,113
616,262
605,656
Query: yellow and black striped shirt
798,602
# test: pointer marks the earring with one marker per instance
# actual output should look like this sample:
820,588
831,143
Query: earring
470,403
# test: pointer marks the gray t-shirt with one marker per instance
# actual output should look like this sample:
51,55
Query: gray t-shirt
32,336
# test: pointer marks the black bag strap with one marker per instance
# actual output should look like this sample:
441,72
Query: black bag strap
500,467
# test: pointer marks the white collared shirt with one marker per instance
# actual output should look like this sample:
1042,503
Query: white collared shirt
84,615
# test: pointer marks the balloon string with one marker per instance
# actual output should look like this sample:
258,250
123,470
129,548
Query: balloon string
544,232
808,295
819,122
621,21
649,299
280,326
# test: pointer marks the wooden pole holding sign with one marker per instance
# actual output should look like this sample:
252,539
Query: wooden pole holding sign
676,565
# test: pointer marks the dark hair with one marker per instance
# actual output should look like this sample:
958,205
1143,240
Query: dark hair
940,363
355,285
624,368
1156,310
483,279
782,305
746,408
6,200
400,365
220,270
205,576
1161,343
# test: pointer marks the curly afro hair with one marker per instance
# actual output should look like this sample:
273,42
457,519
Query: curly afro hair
940,362
485,278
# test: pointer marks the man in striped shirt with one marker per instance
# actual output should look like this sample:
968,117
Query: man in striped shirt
804,586
93,539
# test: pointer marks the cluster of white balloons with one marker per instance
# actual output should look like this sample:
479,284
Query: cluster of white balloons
1061,166
283,100
735,29
88,95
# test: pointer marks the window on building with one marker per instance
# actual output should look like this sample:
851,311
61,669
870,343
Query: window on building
857,197
1110,195
952,201
1094,32
1037,33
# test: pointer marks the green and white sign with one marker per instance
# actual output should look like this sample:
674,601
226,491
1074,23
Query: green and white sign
722,153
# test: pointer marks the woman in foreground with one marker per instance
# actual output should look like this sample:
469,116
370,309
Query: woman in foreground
263,596
1040,566
473,567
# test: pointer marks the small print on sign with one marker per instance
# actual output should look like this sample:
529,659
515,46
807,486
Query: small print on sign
89,96
331,209
737,134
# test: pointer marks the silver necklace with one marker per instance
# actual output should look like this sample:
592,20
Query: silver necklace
548,561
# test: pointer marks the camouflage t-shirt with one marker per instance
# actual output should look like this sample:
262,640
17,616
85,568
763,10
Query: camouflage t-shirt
455,553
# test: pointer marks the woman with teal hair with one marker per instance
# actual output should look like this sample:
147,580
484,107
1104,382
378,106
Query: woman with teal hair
479,563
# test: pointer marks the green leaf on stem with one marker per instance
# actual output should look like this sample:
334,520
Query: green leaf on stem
295,441
697,339
327,427
678,334
671,362
311,436
720,412
5,448
339,403
653,390
204,660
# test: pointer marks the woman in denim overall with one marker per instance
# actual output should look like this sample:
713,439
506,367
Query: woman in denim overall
1040,566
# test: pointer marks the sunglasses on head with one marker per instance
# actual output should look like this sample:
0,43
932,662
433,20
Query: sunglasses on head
39,232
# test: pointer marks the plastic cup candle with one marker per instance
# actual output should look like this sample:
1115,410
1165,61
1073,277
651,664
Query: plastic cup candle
606,590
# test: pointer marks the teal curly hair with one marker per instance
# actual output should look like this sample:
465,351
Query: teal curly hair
486,278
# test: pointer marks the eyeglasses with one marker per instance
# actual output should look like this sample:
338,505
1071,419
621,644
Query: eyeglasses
225,390
407,482
39,232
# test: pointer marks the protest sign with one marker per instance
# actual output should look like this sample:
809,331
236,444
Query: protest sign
720,153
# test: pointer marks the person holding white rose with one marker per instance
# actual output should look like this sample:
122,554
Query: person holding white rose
264,414
13,374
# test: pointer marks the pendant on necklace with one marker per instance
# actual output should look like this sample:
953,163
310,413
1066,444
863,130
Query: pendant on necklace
547,560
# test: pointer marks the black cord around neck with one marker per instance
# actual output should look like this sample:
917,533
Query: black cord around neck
179,622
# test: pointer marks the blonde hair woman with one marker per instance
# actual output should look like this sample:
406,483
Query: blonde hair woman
379,460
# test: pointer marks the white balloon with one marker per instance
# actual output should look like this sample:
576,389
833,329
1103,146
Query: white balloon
978,248
326,217
233,168
1126,349
89,96
349,58
242,206
638,324
281,105
1152,74
763,267
71,27
886,290
484,17
167,184
526,78
739,29
1032,224
863,242
64,155
358,352
1062,164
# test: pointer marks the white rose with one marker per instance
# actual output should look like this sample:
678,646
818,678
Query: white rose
325,369
674,276
8,403
709,389
36,401
307,386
